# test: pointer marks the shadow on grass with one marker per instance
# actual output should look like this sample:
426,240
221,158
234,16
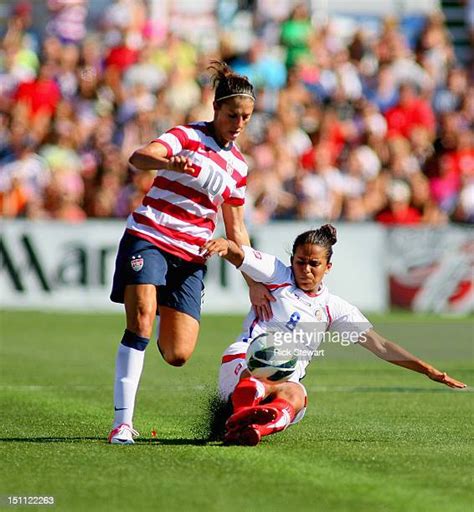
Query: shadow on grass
103,440
208,431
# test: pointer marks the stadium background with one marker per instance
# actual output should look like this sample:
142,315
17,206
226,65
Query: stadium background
364,117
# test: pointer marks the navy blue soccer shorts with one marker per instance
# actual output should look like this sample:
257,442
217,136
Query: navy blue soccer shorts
179,283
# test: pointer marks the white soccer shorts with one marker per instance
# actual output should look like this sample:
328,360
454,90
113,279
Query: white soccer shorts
232,366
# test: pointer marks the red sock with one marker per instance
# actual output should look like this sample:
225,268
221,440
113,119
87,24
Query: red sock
248,393
286,414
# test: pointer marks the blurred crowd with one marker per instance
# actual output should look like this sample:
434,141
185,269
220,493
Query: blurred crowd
350,123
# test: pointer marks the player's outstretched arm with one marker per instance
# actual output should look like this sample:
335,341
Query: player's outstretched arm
395,354
153,156
224,248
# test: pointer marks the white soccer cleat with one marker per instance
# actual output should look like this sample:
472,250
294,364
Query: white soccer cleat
123,434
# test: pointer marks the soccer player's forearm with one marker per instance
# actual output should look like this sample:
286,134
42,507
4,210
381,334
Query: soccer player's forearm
397,355
235,254
393,353
147,163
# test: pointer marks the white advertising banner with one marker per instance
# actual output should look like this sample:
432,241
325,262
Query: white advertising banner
54,265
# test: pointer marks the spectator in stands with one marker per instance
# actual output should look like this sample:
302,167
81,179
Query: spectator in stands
112,90
67,20
450,95
295,35
384,93
321,189
37,100
410,112
399,210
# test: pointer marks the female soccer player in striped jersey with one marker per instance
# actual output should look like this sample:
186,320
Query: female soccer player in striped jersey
304,306
159,264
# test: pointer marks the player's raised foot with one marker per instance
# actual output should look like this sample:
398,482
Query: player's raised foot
123,434
259,415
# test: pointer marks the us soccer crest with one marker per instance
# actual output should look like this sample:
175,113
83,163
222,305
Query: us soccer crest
229,169
137,263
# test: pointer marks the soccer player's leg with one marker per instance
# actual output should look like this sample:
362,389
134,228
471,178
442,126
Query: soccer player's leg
235,382
284,405
139,269
180,310
140,307
288,403
178,334
249,392
238,387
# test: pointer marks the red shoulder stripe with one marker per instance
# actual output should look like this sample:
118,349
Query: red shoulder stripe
181,135
169,150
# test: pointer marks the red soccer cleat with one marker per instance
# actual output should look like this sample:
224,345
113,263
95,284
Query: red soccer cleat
259,415
243,426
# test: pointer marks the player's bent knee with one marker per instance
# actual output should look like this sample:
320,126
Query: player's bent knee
175,357
176,361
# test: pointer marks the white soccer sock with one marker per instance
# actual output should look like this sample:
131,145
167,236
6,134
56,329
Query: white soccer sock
128,370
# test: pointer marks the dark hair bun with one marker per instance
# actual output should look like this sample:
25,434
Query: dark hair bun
329,231
221,71
227,83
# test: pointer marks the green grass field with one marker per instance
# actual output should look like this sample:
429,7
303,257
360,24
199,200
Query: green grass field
375,437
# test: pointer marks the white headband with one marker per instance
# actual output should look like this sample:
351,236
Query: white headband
237,94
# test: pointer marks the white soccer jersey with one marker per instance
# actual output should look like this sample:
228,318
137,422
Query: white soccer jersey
299,319
179,212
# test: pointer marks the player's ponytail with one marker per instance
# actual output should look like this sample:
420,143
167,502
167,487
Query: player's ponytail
229,84
325,236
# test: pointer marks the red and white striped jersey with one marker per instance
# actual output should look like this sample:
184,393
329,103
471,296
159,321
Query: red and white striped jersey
179,212
307,317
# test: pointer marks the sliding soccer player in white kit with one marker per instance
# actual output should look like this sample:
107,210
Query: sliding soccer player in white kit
303,305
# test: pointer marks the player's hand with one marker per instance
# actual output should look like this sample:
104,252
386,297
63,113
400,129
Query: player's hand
261,300
444,378
219,246
180,164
